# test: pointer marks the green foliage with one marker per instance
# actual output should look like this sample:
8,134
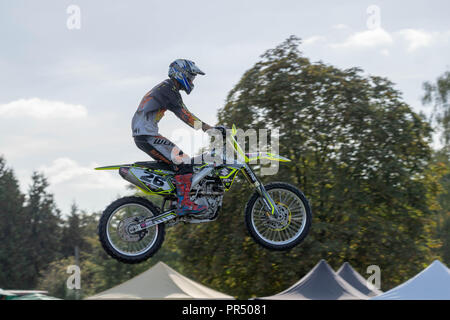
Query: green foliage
74,232
438,95
42,229
13,264
30,230
441,162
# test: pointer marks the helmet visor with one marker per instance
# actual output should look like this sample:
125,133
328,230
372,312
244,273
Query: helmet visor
194,69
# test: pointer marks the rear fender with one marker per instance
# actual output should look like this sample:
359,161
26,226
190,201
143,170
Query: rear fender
113,167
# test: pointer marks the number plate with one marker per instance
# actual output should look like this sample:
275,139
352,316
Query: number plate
151,180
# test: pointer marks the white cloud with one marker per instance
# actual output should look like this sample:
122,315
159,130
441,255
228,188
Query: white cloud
67,171
417,38
366,39
313,39
414,39
42,109
69,182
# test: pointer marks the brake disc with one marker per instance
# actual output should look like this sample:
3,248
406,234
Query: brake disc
282,220
123,229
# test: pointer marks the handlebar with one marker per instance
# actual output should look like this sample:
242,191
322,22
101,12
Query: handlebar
222,129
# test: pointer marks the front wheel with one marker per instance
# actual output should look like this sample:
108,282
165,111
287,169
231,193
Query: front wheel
286,230
115,234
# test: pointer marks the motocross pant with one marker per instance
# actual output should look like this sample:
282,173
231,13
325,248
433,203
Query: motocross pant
162,149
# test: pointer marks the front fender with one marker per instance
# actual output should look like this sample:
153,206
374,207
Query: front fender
265,155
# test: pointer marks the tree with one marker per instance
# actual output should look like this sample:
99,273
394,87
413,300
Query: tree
13,263
42,229
73,233
358,152
438,95
441,162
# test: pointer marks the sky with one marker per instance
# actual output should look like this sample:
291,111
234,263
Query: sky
72,73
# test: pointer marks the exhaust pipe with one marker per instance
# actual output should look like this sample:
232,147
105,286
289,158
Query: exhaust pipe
127,175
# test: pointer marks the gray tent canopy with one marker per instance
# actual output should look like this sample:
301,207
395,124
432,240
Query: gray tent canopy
357,281
432,283
321,283
6,295
160,282
25,295
35,296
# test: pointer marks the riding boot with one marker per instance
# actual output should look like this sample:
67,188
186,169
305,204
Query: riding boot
185,205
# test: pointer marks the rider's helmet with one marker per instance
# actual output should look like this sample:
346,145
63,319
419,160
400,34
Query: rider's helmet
184,71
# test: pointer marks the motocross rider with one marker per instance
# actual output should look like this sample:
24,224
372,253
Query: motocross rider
166,96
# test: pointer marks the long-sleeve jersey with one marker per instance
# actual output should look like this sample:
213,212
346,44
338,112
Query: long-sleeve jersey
164,96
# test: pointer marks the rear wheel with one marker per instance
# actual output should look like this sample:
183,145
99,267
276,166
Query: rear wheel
114,230
286,230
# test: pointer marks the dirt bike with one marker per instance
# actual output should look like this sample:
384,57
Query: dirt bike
132,229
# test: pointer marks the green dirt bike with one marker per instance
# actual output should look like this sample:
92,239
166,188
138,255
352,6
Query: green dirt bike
132,229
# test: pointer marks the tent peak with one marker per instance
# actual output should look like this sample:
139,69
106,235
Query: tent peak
345,265
432,283
356,280
321,283
161,263
438,263
323,262
160,282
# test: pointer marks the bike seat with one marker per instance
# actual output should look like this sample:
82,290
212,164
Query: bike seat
157,165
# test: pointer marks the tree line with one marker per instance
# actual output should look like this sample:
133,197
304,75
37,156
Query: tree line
363,157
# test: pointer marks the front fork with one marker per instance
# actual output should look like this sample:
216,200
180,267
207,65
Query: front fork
267,199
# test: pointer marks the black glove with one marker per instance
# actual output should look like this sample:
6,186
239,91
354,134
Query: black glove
221,129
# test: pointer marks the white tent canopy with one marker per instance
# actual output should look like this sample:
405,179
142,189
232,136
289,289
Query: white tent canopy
432,283
321,283
160,282
357,281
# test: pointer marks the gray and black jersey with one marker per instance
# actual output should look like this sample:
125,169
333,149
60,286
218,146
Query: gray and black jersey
164,96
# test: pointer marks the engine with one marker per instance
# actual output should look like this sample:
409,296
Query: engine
208,192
